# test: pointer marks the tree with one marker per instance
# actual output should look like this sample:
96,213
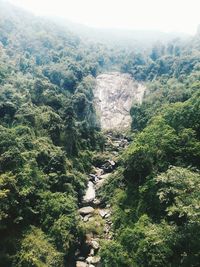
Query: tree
112,254
37,250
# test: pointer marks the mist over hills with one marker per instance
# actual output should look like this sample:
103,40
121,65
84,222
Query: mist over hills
137,39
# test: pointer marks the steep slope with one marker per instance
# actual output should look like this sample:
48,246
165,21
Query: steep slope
114,95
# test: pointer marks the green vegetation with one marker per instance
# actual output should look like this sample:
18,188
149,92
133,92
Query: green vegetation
50,137
48,132
156,199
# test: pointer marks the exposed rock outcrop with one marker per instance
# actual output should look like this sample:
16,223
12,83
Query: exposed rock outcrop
90,193
114,94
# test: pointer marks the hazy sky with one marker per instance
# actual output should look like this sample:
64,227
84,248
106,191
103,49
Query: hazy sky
165,15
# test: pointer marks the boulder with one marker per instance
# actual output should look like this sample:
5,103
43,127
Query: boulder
112,163
92,252
81,264
103,213
107,215
86,210
93,260
94,244
90,193
98,172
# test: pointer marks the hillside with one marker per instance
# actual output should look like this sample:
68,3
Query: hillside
139,40
114,95
73,194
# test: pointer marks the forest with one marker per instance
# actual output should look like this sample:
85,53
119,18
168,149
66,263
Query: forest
50,136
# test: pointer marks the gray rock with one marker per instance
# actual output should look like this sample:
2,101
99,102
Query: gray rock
93,260
103,213
90,193
114,94
107,215
94,244
112,163
86,210
92,252
81,264
98,172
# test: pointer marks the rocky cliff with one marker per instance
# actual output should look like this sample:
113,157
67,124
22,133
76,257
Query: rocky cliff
114,95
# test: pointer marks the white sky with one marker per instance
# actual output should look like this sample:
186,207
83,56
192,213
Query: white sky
164,15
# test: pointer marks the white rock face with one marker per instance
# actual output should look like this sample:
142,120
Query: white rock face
90,193
114,94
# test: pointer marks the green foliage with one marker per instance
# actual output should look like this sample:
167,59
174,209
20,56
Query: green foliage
53,205
48,130
113,254
37,251
156,206
179,192
94,225
50,135
153,150
149,244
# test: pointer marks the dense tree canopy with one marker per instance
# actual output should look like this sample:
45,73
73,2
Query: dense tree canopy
49,131
156,190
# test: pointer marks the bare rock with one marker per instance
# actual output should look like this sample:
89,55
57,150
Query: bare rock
98,172
107,215
81,264
93,260
94,244
90,193
103,213
86,210
112,163
114,94
92,252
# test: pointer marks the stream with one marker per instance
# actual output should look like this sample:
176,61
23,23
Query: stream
93,210
114,95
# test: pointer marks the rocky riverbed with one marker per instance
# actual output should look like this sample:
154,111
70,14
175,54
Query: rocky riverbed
92,207
114,95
